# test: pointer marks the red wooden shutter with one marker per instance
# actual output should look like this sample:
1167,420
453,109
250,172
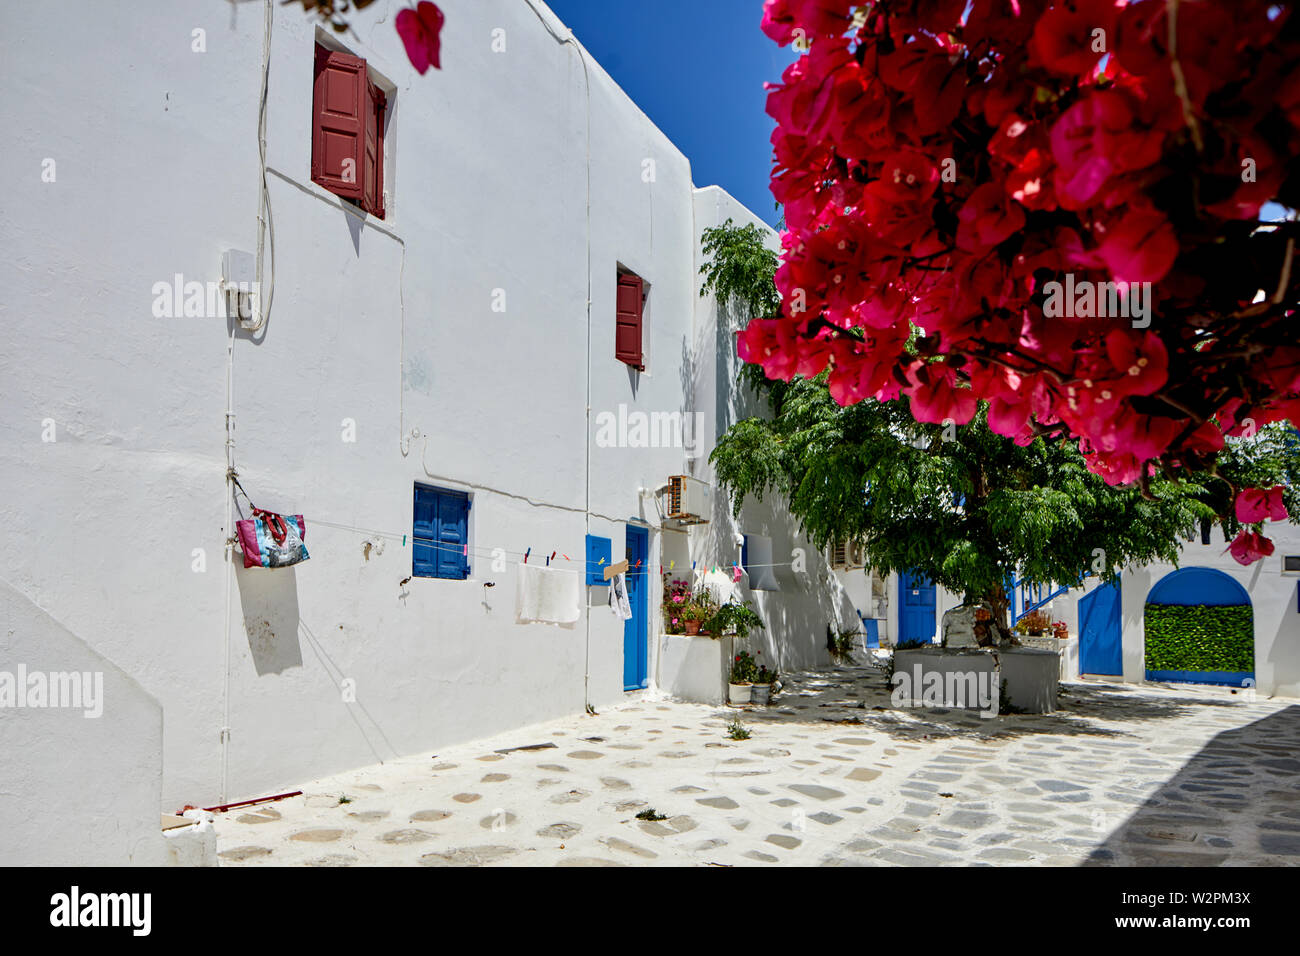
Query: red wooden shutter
627,329
340,102
374,147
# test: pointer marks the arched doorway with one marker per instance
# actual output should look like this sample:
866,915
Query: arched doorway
1199,628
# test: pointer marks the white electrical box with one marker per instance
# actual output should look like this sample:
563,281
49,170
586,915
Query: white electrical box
239,282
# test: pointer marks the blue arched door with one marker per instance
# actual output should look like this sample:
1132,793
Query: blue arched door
1199,628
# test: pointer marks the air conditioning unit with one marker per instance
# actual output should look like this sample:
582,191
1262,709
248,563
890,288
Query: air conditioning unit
848,555
689,499
1291,564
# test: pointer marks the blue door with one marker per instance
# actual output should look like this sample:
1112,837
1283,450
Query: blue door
1100,647
636,649
915,610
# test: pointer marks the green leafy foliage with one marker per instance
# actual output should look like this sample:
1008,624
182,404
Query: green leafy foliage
734,617
1199,638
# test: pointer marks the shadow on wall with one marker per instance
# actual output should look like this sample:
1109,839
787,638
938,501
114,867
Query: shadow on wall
269,600
796,615
1284,651
1233,803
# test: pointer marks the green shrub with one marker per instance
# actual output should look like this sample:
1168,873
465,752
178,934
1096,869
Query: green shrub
1199,638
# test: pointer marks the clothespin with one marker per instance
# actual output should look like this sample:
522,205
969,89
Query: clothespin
526,554
403,541
692,565
566,557
465,551
735,572
671,564
551,558
600,562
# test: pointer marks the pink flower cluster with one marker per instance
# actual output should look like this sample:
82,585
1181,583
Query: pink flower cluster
1254,506
941,164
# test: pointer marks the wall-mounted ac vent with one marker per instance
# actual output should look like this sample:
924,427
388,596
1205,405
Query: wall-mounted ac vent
848,555
1291,564
689,499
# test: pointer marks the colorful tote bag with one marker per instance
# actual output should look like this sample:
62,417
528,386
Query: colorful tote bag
269,540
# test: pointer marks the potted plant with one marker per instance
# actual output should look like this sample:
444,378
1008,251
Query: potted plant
1035,624
1061,630
741,679
764,684
677,596
695,615
734,617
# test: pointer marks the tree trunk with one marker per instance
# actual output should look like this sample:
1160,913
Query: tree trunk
999,603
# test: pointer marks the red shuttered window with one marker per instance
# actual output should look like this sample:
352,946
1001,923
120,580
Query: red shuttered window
347,148
629,307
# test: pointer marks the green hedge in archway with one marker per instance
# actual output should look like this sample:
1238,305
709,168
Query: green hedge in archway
1199,638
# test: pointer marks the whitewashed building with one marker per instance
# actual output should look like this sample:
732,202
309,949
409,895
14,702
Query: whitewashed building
431,370
444,370
1108,623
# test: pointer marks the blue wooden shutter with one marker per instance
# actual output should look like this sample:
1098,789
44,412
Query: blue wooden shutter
424,559
598,548
440,534
453,535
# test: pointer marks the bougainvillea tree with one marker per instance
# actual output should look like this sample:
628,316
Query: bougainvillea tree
1064,199
965,507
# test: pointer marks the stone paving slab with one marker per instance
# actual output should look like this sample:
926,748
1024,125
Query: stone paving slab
831,775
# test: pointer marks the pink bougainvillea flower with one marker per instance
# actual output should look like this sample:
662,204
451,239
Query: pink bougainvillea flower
936,396
987,218
1257,504
420,31
1143,362
1249,546
1139,246
1065,38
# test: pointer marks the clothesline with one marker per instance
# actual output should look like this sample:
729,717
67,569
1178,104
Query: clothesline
491,553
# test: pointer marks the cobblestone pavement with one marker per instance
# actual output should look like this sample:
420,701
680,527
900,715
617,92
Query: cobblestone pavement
830,775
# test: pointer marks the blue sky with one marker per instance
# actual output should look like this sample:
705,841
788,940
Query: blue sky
697,68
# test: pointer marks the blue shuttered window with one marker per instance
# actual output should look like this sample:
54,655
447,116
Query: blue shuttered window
440,533
600,553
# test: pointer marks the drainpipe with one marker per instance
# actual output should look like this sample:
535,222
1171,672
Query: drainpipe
586,82
257,325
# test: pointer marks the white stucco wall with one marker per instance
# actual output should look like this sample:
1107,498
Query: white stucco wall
1273,597
79,785
805,601
112,438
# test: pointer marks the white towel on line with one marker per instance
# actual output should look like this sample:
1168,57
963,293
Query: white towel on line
618,600
548,595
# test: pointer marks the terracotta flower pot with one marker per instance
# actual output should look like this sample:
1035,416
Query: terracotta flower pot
692,627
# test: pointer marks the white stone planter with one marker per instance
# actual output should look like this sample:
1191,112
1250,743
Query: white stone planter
1031,676
694,668
740,693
